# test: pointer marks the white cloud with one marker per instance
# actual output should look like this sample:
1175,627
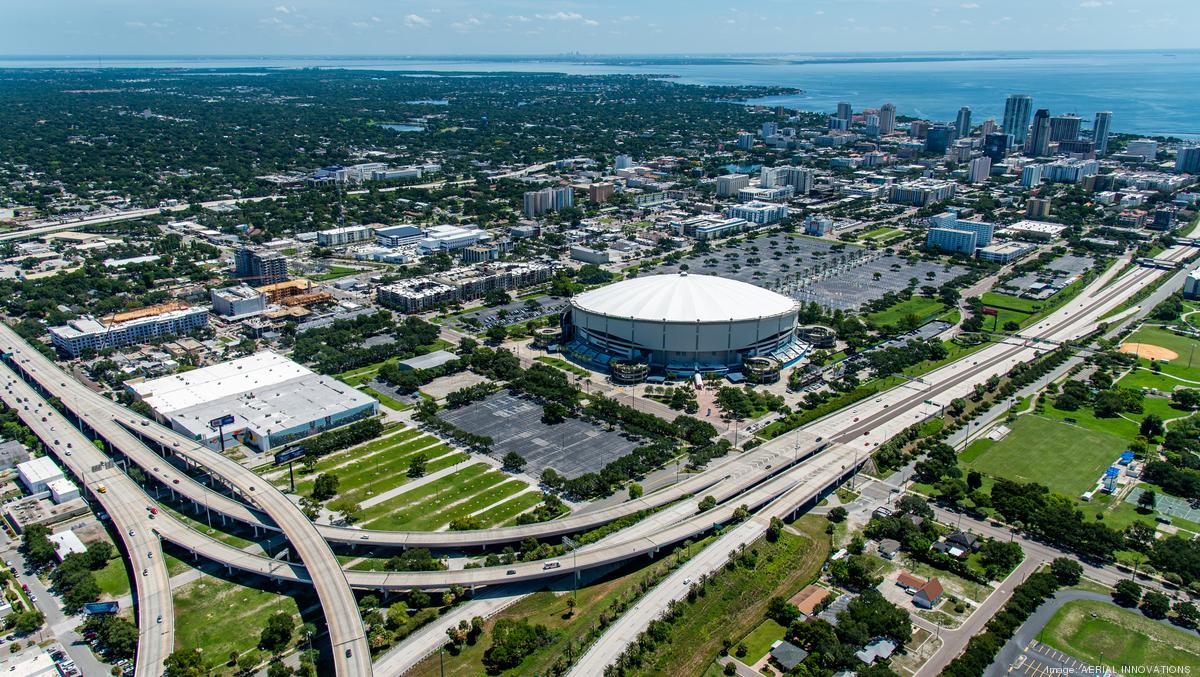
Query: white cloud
520,18
819,12
415,21
376,19
360,24
283,9
561,16
466,24
970,5
1091,4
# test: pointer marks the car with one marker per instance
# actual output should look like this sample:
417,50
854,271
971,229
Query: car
145,424
153,510
364,537
550,565
856,419
175,481
819,438
510,572
131,532
160,618
33,598
68,453
145,572
687,581
149,555
102,489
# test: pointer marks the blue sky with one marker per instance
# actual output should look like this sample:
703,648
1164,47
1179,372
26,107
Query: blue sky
214,27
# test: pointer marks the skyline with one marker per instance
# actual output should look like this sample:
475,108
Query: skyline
621,27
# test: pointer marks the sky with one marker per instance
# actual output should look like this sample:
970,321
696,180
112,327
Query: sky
431,27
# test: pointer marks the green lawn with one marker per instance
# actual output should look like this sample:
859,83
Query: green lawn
1098,632
918,305
507,511
999,300
564,365
420,505
374,468
389,402
1066,458
334,273
759,642
218,616
378,478
113,579
1185,366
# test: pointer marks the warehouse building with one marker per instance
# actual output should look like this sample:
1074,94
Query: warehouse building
273,401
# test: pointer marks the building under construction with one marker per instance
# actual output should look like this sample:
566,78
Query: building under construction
298,292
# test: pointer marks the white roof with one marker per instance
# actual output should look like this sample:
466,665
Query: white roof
40,469
67,542
180,391
684,298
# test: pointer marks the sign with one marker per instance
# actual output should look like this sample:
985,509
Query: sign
102,607
288,454
990,311
227,419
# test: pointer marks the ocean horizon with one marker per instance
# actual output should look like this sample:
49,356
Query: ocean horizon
1149,92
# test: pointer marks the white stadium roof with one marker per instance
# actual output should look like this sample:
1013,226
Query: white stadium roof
684,298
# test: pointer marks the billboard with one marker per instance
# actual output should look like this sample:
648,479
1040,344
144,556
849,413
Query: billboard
102,607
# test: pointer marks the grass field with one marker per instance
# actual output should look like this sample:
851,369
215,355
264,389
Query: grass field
334,273
443,500
1098,632
999,300
563,364
389,402
366,471
218,616
736,601
882,234
759,641
917,305
549,608
113,579
375,478
1066,458
1181,345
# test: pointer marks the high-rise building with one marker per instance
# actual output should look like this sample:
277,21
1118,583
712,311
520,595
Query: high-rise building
623,162
553,199
1100,129
962,123
838,123
799,178
1016,116
988,127
918,128
745,140
1037,208
995,146
1065,127
729,184
938,138
1031,176
844,111
260,267
981,169
769,128
600,191
872,125
1188,160
1146,148
1038,142
887,119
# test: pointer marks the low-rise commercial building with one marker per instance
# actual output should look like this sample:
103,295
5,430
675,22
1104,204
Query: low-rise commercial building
1037,231
238,302
709,226
128,328
398,236
760,213
340,237
1005,252
39,472
449,238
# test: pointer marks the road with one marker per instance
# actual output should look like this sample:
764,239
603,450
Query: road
107,486
106,418
1075,319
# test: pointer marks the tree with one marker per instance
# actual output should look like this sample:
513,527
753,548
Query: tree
278,669
248,662
1011,326
635,491
837,514
348,509
325,487
1127,593
1155,604
277,633
513,461
496,333
184,663
1186,614
707,503
512,641
1066,571
1147,500
974,480
25,622
1152,426
416,465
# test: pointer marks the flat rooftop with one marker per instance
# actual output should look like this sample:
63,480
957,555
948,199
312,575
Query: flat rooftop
174,393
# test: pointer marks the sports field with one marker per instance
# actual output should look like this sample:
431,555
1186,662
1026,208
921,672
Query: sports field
1101,632
1066,458
917,305
1186,364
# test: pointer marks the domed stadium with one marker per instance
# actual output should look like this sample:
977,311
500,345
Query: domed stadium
681,324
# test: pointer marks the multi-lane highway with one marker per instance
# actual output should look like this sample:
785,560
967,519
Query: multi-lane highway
111,489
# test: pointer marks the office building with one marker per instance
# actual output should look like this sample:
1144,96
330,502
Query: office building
1016,116
980,169
989,126
799,178
887,119
917,129
1188,160
398,236
1031,176
745,140
921,192
761,213
818,225
709,226
844,111
1037,208
769,128
1065,127
938,138
1005,252
754,193
238,302
951,241
729,184
949,221
260,266
600,192
1191,284
837,124
538,202
623,162
995,146
1164,219
37,473
448,238
962,123
340,237
1037,144
1069,170
272,399
480,253
1100,129
1147,149
127,328
1083,148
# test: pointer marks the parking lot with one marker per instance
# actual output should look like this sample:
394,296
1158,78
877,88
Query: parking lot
1039,660
812,270
572,447
513,312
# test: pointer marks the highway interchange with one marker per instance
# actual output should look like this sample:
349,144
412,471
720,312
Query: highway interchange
781,476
